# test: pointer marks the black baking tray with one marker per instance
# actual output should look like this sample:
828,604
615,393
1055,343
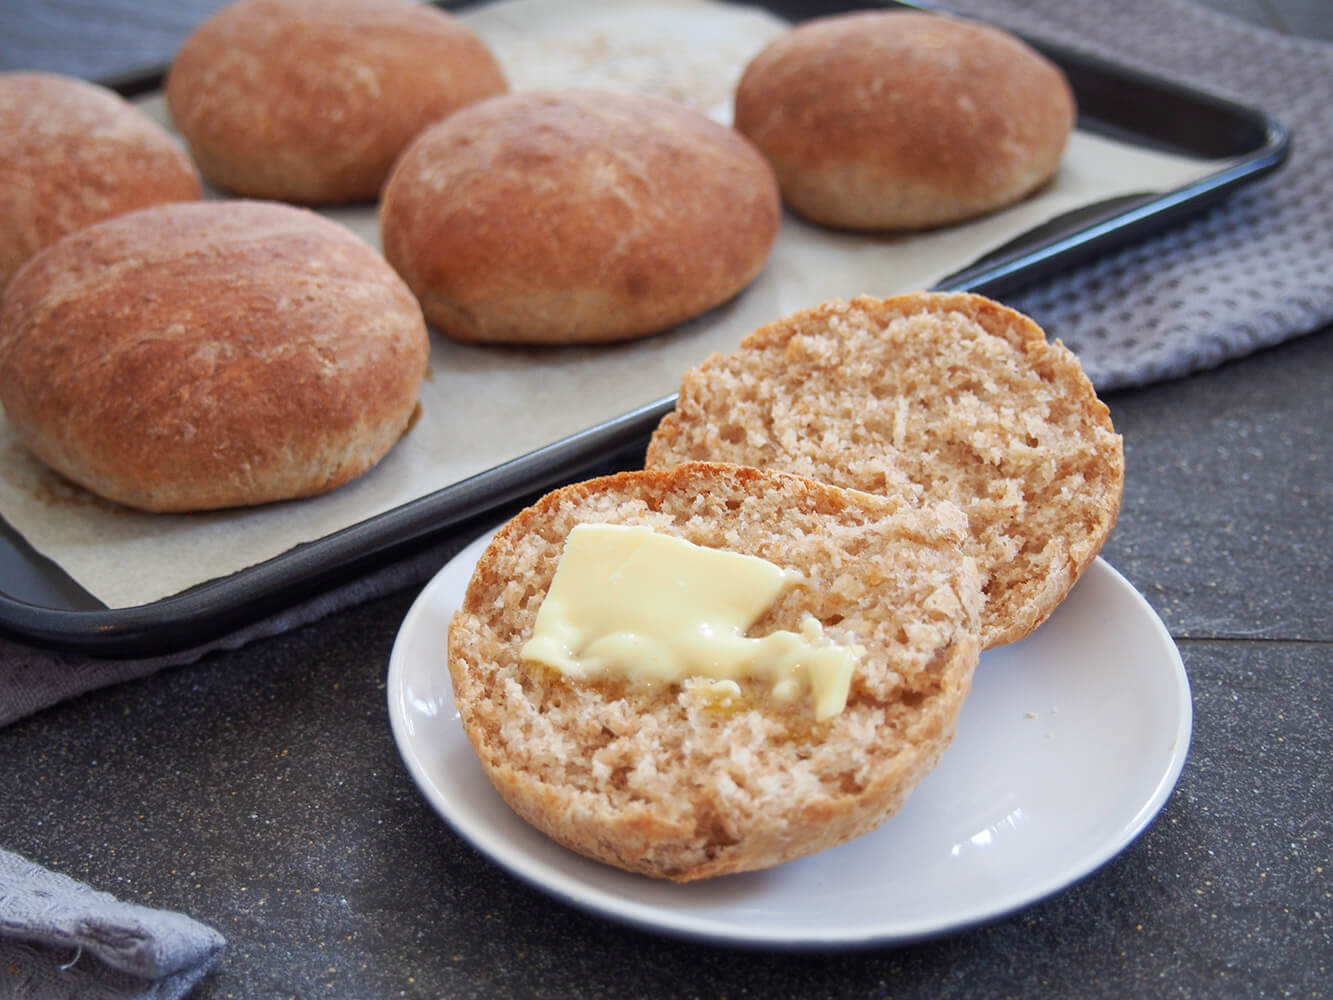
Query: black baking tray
40,604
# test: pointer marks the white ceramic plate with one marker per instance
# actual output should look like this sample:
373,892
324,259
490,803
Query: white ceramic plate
1067,748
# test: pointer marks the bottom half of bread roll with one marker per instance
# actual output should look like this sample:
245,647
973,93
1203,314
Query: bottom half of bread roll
663,778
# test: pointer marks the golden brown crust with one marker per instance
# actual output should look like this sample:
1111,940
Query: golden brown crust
73,153
210,354
656,781
904,120
928,396
310,101
558,217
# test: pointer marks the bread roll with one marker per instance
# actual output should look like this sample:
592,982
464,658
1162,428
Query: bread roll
567,217
310,101
654,778
943,396
210,354
904,119
73,153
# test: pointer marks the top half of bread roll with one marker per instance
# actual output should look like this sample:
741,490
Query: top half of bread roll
931,395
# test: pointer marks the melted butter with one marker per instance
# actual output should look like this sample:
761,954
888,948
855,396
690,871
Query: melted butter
627,602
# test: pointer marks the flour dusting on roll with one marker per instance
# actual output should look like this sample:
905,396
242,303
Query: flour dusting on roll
891,120
577,216
210,354
310,101
73,153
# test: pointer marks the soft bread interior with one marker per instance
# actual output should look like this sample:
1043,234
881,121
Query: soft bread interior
657,780
932,397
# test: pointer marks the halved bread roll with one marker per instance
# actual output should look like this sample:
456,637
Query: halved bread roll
660,779
935,396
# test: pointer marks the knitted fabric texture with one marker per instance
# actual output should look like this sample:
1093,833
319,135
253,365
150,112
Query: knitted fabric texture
1256,269
59,938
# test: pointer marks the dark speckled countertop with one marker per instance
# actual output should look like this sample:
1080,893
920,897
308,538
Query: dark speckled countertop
260,791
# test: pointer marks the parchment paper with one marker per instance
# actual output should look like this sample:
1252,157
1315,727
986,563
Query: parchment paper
485,405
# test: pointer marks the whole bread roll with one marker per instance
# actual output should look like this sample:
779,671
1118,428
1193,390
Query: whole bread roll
73,153
210,354
310,101
904,119
660,780
576,216
934,396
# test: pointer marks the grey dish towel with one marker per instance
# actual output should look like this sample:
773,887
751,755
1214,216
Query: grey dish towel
32,679
61,939
1249,273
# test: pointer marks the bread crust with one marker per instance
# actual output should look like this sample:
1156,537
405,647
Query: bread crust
310,101
576,216
210,354
904,119
73,153
929,396
655,781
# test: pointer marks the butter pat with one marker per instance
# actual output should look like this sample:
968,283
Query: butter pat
628,602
